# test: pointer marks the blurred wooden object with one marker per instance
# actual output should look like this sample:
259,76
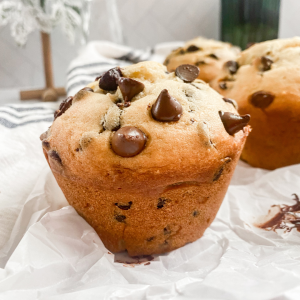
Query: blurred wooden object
49,93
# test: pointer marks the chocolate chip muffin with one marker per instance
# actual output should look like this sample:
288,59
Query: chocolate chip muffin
208,55
146,156
265,82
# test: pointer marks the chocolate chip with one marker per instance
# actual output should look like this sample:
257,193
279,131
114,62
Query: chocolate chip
124,206
88,89
109,80
266,62
261,99
54,155
129,88
46,144
128,141
167,230
223,85
161,203
232,122
214,56
63,107
195,213
181,51
218,174
193,48
199,63
231,101
187,73
232,66
166,108
120,218
150,239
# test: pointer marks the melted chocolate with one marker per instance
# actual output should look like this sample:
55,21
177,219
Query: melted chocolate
231,101
193,48
232,66
166,108
128,141
63,107
187,73
232,122
261,99
266,63
287,218
109,80
129,88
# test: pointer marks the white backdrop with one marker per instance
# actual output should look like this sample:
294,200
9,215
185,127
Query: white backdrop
144,23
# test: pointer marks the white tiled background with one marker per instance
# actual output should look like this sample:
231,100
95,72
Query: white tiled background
144,22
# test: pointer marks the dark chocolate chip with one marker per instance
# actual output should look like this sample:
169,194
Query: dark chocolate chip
54,155
128,141
63,107
231,101
78,149
214,56
199,63
124,206
46,144
232,66
195,213
120,218
98,77
218,174
266,62
150,239
187,73
129,88
109,80
232,122
261,99
166,108
161,203
223,85
193,48
88,89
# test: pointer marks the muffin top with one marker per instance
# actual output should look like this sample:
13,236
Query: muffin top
208,55
265,72
143,120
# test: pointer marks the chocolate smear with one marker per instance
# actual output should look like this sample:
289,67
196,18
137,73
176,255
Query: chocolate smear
128,141
231,101
109,80
166,108
266,62
63,107
287,218
223,85
124,206
120,218
88,89
261,99
129,88
187,73
232,122
54,155
214,56
218,174
232,66
193,48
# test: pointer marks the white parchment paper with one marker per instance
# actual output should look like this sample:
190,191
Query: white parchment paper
49,252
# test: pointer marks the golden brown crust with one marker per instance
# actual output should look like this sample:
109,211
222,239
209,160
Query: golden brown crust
185,166
275,138
209,58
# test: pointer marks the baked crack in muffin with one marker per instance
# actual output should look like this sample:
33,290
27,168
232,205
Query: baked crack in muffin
208,55
144,156
266,85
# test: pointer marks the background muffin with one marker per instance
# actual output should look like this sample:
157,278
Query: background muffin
208,55
265,82
146,158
